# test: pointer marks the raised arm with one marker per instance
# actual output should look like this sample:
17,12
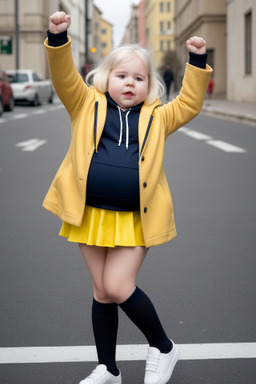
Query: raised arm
194,86
66,80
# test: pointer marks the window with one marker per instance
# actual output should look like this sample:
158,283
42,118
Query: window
161,45
169,25
161,26
104,31
168,7
36,77
210,57
248,43
161,5
168,45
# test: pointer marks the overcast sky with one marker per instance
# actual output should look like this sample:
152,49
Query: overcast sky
118,13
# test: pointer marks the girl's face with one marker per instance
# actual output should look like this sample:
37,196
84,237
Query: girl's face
128,83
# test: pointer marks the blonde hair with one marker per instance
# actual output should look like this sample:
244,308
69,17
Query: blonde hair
100,75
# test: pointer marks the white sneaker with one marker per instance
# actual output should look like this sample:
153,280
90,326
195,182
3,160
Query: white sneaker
159,366
100,375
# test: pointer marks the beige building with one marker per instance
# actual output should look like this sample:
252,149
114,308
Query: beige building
241,50
159,27
33,16
204,18
131,35
106,37
94,53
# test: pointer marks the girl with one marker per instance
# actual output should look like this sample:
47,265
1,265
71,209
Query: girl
111,191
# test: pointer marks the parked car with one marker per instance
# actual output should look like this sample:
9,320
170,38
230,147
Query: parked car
1,103
28,85
7,100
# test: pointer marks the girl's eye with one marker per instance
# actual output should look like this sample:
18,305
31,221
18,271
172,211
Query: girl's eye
121,76
138,78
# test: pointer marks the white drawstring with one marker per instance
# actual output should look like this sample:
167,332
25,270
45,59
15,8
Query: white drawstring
127,129
121,128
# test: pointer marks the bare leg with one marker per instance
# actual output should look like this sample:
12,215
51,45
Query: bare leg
121,270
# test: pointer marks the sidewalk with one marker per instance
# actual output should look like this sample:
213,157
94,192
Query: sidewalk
219,106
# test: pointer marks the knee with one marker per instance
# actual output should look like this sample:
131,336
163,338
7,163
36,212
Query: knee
108,292
101,295
118,292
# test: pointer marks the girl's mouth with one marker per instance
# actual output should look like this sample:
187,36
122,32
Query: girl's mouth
128,94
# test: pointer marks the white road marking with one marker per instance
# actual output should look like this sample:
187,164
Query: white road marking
222,145
53,107
195,134
31,145
19,116
25,355
226,146
59,106
39,112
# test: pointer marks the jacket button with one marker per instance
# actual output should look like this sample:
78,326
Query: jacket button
143,158
145,184
145,209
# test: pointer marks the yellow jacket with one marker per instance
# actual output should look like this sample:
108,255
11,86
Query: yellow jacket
87,110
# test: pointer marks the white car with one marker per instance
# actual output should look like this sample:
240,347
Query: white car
28,85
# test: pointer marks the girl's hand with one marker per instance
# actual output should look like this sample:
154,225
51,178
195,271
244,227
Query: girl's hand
59,22
196,45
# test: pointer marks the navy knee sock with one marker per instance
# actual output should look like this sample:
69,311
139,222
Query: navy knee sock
105,325
139,308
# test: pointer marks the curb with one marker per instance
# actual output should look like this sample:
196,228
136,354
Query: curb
240,116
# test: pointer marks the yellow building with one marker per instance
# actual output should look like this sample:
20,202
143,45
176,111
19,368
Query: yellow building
106,37
159,27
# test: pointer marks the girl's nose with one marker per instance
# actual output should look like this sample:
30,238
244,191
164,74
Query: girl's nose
130,81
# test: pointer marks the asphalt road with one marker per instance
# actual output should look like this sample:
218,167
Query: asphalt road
202,282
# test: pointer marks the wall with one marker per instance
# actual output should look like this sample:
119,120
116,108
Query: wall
241,86
204,18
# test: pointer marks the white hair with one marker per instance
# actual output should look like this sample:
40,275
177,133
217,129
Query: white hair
99,76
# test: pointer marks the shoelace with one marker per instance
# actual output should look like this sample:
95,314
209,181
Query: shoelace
152,363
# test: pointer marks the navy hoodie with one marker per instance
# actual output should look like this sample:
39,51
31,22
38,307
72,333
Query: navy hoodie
113,179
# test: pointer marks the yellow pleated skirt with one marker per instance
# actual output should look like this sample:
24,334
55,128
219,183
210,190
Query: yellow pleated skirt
106,228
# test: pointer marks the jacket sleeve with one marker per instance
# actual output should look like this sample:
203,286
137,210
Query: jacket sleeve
66,80
190,100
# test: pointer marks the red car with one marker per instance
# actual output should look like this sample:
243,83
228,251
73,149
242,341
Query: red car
6,96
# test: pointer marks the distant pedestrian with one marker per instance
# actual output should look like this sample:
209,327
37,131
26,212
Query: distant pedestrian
168,80
111,190
210,86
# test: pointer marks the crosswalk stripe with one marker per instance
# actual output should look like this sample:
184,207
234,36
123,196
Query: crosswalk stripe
222,145
225,146
25,355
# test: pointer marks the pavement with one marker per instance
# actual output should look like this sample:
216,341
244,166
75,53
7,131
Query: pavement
220,106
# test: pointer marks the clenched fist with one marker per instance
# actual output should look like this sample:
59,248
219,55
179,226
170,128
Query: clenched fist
59,22
196,45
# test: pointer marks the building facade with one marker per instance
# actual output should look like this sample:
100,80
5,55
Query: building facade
204,18
23,46
241,50
131,35
94,52
106,37
159,27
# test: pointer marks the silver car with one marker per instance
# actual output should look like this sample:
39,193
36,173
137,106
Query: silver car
28,85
